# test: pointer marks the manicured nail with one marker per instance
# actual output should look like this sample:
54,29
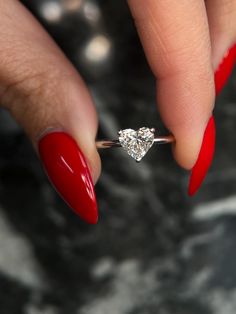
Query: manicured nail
68,171
225,69
206,154
204,160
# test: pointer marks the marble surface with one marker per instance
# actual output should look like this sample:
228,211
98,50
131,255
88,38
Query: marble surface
154,250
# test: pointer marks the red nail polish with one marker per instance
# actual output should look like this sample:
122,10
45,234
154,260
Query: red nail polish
206,154
68,171
224,69
204,160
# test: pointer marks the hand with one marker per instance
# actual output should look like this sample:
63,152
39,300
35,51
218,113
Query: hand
184,42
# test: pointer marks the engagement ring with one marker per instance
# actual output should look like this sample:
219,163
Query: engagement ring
136,143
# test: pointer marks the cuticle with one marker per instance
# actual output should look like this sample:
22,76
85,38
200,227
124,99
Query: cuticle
49,130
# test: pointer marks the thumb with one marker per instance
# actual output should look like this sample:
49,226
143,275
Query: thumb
48,98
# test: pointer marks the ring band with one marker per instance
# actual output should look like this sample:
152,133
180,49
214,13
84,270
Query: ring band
136,143
116,143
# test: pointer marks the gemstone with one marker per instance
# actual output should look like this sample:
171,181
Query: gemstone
137,143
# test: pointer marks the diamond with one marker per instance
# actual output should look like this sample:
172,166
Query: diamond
137,143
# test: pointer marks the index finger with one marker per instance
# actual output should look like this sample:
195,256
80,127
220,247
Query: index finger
176,41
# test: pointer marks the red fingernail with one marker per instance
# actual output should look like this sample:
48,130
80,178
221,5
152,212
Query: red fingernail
204,160
68,171
206,154
225,69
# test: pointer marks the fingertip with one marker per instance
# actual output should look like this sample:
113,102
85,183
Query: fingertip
187,146
185,111
94,165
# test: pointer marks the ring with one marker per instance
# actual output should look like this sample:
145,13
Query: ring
136,143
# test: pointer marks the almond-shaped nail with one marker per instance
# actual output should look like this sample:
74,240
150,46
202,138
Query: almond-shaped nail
206,154
68,171
204,160
225,69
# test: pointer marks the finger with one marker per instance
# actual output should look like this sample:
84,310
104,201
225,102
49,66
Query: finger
48,98
222,25
176,41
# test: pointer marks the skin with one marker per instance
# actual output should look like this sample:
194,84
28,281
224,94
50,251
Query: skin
184,42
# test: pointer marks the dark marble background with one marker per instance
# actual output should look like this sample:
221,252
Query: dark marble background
154,250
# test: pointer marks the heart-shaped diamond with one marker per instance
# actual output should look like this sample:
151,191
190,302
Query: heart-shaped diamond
137,143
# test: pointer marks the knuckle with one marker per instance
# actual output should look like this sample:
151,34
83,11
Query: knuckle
29,97
28,86
191,56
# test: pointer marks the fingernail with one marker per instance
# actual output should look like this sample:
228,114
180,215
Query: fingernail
225,69
204,160
206,154
68,171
